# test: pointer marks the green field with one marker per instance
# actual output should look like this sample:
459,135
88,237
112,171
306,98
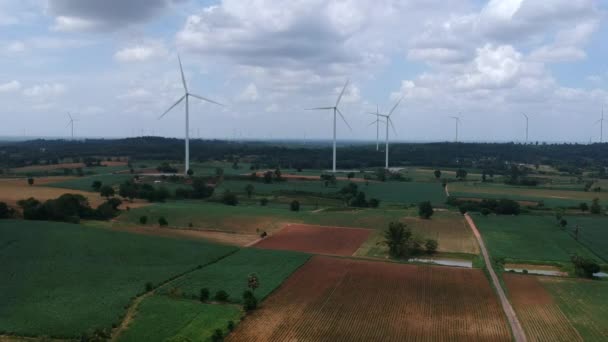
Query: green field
249,218
528,238
585,304
84,183
593,233
161,318
63,279
230,274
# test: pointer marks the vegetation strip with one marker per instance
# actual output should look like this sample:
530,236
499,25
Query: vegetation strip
516,328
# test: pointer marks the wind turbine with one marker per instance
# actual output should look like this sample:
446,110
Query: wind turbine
71,123
601,122
389,122
186,96
527,121
457,121
336,110
377,122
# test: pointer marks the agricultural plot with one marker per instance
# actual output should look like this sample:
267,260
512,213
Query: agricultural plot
539,314
528,238
62,280
550,198
14,190
593,233
85,183
317,239
162,318
336,299
230,274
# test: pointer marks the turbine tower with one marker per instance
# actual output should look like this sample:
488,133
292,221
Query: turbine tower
71,123
527,121
336,110
389,122
186,96
377,122
457,122
601,122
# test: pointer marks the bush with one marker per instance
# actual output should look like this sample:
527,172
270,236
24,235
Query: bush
230,326
96,185
162,221
30,181
230,198
374,203
263,202
217,336
294,205
431,246
106,191
149,286
583,207
221,296
204,295
596,208
584,267
249,301
425,210
485,211
143,219
5,211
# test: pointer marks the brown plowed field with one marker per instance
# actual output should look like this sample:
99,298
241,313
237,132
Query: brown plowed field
540,316
333,299
317,239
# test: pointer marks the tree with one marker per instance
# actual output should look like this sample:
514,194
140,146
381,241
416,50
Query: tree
249,301
263,202
431,246
583,207
396,237
584,267
563,223
374,202
359,200
596,208
204,294
5,211
200,188
143,219
294,205
253,282
249,189
229,198
190,172
30,181
461,174
162,221
217,336
106,191
97,185
485,211
221,296
437,174
350,175
268,177
425,210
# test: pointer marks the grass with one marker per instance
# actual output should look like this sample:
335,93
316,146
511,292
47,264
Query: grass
528,238
585,304
63,279
230,274
84,183
593,233
253,219
161,318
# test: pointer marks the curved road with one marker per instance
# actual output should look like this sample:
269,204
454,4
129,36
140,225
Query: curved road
518,331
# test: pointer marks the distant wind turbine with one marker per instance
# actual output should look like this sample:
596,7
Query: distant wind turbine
389,122
601,122
377,122
527,122
186,96
336,110
71,123
457,122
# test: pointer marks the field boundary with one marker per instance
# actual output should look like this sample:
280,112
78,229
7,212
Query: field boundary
516,327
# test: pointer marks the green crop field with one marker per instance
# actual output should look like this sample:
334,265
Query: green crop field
593,233
528,238
161,318
585,304
63,279
249,218
230,274
84,183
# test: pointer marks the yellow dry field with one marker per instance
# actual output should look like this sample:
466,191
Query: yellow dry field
449,229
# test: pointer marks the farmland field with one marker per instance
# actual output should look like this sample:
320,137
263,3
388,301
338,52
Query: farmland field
13,190
64,279
339,299
230,274
528,238
316,239
84,183
161,318
593,233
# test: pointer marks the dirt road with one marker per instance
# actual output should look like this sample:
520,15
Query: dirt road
516,329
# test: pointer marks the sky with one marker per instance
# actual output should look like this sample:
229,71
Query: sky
113,65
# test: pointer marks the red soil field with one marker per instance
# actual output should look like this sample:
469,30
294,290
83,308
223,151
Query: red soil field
539,315
316,239
336,299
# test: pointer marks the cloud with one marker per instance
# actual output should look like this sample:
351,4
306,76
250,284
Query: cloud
10,86
141,52
88,15
249,94
137,93
46,90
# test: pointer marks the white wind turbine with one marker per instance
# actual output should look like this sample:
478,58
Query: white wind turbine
336,110
186,96
71,123
377,122
527,122
457,121
389,122
601,122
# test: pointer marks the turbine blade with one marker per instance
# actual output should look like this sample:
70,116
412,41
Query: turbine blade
69,123
373,122
319,108
181,70
70,115
343,119
205,99
175,104
392,126
395,106
342,93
